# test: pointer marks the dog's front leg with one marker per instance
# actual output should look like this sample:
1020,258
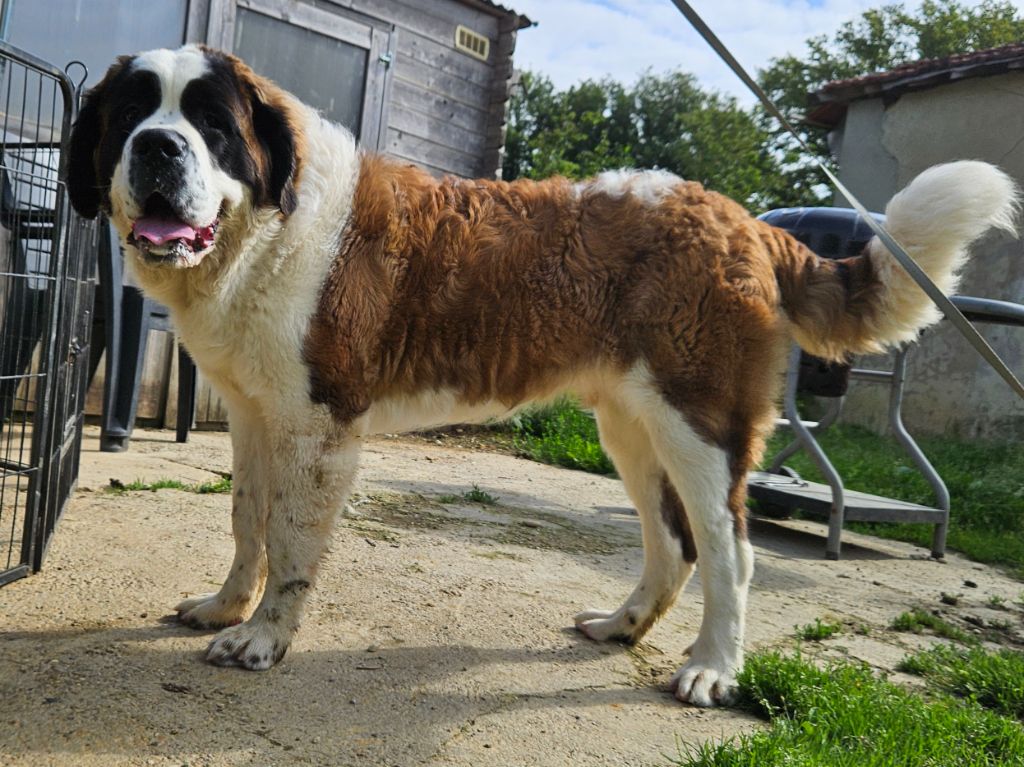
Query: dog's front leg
249,505
308,479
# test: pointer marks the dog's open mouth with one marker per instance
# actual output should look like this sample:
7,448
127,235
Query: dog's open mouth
161,234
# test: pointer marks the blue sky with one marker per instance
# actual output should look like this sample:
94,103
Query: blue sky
579,39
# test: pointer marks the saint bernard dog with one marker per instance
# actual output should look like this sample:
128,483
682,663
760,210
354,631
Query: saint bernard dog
330,293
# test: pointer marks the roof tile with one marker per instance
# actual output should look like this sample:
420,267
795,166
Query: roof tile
829,103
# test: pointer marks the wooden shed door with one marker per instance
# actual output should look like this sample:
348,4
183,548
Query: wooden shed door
338,64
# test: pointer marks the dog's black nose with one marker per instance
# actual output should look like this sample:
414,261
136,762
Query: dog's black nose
160,144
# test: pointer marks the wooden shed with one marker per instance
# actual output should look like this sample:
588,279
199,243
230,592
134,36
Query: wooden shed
431,76
426,81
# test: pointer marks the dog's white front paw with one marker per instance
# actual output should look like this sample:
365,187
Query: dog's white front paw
211,611
705,684
620,625
591,623
256,645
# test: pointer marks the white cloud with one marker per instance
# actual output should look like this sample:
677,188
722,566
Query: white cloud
581,39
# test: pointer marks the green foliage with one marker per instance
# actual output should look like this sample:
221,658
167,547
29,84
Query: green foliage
917,620
662,121
818,631
120,488
222,485
992,679
574,133
702,137
944,28
476,495
878,40
668,121
561,434
116,486
886,37
843,716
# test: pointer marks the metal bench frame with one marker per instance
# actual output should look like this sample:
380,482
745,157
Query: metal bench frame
782,487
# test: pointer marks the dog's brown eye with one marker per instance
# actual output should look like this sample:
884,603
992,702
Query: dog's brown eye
216,122
129,115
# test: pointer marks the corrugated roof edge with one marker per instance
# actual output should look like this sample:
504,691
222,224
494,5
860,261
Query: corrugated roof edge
522,22
831,101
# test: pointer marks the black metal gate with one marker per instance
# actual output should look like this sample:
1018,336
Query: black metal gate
47,283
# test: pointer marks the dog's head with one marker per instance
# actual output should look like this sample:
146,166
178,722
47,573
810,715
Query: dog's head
169,143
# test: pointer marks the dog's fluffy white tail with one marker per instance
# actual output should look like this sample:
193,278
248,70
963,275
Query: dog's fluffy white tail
869,302
935,219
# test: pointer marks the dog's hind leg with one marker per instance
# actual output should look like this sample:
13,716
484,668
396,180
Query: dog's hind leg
669,552
249,504
711,482
308,479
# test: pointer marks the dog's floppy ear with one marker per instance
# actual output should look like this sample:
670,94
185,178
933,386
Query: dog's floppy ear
278,140
83,183
85,188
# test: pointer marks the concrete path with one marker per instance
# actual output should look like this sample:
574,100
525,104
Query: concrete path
440,632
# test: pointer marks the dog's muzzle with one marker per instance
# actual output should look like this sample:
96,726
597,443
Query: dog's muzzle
164,180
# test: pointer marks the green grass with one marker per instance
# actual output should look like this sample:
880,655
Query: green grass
563,435
917,621
994,680
117,486
843,716
221,485
985,480
818,631
476,495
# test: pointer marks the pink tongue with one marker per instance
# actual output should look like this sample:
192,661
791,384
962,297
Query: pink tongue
161,230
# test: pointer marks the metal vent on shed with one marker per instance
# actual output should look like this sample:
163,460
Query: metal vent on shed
468,41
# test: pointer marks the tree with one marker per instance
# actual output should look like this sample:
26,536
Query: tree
946,28
662,121
574,133
877,40
668,121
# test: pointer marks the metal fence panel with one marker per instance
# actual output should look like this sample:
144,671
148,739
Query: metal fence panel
47,283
